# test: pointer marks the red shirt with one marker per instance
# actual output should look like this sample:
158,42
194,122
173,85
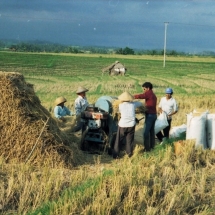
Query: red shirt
150,101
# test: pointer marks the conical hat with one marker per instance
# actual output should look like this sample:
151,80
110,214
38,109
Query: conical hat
81,90
60,100
126,97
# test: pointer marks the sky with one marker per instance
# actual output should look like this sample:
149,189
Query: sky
189,25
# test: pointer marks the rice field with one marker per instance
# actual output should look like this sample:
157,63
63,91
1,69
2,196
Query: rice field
148,183
55,75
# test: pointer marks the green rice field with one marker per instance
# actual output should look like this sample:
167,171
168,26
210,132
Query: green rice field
154,183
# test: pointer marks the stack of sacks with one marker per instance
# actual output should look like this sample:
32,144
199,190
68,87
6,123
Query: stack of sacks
201,126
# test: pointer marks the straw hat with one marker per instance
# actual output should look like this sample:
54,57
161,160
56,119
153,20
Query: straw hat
126,97
81,90
60,100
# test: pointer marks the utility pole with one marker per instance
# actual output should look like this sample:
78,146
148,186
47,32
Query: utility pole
164,50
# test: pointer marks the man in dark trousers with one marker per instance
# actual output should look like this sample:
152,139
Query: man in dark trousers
126,125
169,105
150,115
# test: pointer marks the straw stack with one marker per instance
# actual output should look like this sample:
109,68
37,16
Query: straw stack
28,133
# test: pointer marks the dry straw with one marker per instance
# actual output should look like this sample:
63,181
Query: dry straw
178,147
21,121
116,114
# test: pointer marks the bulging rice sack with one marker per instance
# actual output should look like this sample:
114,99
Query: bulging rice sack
196,128
161,122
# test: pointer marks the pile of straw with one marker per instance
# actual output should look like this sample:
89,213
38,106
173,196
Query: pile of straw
116,114
28,133
140,110
115,109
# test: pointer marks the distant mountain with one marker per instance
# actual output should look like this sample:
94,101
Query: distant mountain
46,46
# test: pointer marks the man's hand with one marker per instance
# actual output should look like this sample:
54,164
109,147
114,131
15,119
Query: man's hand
63,119
137,121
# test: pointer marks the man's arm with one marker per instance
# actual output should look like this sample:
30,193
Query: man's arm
140,96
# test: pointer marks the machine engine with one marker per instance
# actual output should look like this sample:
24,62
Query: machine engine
100,124
95,118
94,124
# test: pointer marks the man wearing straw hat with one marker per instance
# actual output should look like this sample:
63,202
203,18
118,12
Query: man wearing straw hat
126,125
80,105
60,109
150,115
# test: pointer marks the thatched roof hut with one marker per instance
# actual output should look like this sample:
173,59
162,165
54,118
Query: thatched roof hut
116,68
28,133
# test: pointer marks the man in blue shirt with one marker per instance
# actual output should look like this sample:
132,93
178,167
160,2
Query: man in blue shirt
60,110
80,105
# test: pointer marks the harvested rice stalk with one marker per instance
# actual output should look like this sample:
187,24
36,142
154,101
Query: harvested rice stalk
21,123
116,115
141,110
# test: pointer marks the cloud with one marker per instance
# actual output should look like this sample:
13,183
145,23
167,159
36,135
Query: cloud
139,23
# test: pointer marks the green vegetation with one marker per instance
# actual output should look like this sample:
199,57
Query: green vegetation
147,183
57,74
54,75
125,51
47,47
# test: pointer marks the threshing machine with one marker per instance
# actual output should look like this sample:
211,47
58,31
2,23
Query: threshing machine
101,126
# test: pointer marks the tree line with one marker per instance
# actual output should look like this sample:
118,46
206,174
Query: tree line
40,46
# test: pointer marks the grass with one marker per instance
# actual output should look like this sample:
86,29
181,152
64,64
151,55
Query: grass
158,182
54,75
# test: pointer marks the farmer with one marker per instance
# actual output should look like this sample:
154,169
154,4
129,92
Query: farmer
80,105
61,110
168,105
150,115
126,125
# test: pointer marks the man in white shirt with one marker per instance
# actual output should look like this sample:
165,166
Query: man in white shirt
169,105
126,125
80,105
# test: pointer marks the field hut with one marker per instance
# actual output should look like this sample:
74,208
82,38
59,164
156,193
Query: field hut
116,68
28,133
